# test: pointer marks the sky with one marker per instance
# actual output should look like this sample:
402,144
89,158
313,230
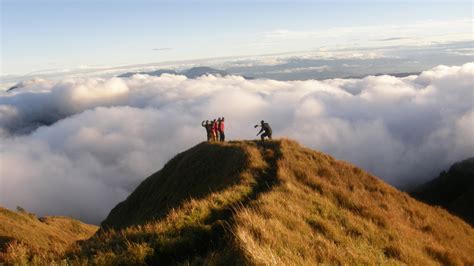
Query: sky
39,35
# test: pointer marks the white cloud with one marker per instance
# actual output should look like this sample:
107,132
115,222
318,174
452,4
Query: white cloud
106,135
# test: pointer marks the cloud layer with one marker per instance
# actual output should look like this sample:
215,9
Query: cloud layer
77,147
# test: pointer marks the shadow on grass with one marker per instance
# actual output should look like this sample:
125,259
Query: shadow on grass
214,234
194,174
4,241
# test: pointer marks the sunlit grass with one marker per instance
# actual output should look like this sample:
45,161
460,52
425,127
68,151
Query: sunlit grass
277,203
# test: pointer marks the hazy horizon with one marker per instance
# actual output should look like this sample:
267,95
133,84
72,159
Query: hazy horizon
60,35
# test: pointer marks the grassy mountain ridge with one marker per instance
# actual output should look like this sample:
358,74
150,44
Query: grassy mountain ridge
274,203
249,203
191,174
24,235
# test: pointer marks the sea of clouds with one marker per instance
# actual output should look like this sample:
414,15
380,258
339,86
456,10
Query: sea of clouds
78,146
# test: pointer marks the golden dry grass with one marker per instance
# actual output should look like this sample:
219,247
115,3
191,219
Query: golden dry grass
273,204
24,237
328,211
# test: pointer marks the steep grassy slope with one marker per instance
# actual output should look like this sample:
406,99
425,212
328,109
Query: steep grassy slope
331,211
248,203
278,203
23,235
192,174
453,190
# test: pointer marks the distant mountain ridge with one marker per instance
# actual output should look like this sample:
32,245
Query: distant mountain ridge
196,72
396,74
453,190
158,73
191,73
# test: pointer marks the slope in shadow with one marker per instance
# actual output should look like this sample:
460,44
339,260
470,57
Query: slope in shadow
241,172
203,169
215,235
453,190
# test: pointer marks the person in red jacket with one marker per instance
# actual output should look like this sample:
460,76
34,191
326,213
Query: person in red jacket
221,129
215,130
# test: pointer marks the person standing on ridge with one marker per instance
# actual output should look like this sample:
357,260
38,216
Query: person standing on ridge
207,126
215,130
265,127
221,129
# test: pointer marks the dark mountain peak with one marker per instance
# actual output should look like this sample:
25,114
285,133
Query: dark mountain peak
13,87
453,190
158,73
196,72
191,73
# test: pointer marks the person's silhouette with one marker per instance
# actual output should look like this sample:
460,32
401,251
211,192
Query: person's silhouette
207,126
265,127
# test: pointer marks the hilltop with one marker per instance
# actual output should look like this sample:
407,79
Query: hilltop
248,203
23,235
453,190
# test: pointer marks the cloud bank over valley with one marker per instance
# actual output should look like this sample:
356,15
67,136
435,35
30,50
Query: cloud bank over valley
78,146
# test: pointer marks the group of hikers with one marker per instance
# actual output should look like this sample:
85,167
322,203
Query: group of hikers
215,129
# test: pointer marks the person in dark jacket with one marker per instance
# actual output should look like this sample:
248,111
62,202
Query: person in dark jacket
221,129
265,127
207,126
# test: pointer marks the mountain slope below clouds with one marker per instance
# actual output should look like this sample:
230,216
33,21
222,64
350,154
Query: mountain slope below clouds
23,235
453,190
244,202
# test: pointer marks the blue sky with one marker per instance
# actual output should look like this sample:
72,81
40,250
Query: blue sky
41,35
